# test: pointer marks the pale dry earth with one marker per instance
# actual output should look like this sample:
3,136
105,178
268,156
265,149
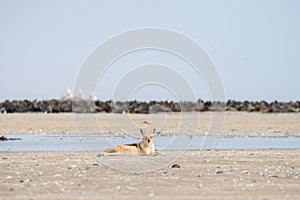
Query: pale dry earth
225,124
225,174
267,174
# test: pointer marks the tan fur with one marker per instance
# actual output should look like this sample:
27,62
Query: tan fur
145,147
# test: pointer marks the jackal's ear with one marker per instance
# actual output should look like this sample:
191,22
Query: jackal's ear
154,132
142,132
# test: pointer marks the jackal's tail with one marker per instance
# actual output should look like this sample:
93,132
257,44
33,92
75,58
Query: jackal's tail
111,150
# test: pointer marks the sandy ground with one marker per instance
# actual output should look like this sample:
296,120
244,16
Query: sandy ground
236,174
270,174
230,124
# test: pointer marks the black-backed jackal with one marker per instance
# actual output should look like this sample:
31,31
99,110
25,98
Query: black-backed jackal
145,147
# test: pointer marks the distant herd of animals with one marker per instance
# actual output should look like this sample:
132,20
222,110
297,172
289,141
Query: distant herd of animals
82,106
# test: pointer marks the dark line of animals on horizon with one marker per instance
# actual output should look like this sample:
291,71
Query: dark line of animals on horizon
89,106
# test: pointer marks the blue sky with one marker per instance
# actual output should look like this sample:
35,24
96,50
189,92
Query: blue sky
254,44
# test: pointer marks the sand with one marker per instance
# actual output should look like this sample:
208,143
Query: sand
240,124
223,174
269,174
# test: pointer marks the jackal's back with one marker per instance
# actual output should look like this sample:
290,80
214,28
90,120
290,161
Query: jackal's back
124,148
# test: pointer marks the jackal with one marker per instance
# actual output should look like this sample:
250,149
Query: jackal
145,147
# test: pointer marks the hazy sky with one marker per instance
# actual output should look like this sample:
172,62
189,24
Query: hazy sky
255,44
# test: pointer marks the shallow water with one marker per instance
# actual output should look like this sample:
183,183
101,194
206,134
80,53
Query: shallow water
99,142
